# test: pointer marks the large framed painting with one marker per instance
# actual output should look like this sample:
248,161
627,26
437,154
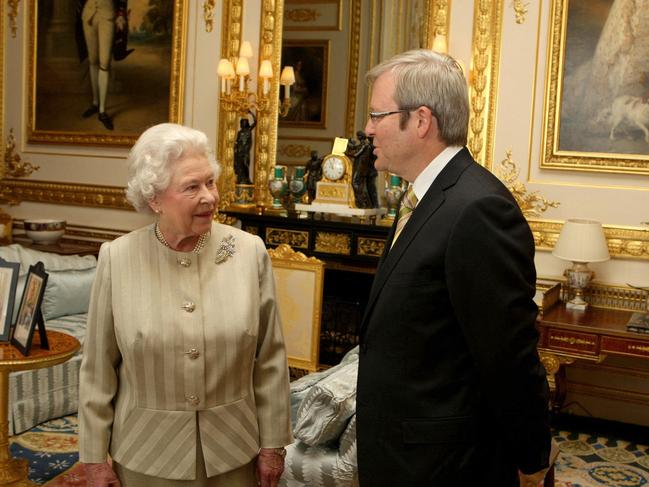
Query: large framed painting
102,75
310,61
597,94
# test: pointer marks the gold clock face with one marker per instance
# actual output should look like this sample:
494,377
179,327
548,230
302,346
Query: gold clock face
333,168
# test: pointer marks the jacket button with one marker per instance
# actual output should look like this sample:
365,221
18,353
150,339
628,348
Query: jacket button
185,262
192,399
192,353
189,307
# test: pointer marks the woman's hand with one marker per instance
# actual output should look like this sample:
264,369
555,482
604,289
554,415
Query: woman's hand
101,475
270,465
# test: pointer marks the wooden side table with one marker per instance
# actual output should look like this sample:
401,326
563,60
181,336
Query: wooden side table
13,472
591,335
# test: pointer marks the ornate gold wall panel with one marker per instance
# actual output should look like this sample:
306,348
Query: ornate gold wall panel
15,191
483,83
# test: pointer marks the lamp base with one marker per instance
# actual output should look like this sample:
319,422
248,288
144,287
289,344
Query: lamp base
576,306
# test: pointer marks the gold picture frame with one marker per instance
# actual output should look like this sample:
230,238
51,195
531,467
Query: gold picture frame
299,282
584,116
145,87
310,61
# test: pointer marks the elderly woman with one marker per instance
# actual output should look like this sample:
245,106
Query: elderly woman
184,378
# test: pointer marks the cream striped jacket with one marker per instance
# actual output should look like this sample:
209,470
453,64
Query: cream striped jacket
177,341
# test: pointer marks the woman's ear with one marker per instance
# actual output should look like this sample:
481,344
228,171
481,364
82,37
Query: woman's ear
154,204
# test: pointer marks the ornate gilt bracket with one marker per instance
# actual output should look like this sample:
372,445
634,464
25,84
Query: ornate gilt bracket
520,10
12,14
208,14
532,204
14,166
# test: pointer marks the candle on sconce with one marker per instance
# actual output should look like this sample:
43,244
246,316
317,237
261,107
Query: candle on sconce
286,79
439,43
265,73
243,70
225,71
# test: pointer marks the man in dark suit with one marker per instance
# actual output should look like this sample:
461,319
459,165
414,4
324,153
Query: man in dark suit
451,391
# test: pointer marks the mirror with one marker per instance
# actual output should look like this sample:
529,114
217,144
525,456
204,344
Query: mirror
338,41
331,44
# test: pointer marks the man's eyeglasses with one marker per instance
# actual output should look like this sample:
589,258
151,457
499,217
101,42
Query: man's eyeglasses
377,116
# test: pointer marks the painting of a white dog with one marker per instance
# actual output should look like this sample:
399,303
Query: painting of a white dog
631,110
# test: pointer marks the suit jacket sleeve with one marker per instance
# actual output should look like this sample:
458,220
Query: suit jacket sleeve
98,376
270,377
491,279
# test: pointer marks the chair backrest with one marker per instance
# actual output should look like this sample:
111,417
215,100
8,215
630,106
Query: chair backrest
299,284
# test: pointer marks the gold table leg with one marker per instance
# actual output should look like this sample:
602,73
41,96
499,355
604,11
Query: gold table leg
13,471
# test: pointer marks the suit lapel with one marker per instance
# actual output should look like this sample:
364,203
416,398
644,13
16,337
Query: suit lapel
426,208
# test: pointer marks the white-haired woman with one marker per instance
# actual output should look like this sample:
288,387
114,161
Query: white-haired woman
184,379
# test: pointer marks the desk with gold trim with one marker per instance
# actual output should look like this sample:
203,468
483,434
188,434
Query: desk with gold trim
13,472
590,335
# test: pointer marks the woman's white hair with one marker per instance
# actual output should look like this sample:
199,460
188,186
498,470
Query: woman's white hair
427,78
153,156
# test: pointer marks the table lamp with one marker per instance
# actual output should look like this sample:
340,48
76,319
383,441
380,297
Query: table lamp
581,242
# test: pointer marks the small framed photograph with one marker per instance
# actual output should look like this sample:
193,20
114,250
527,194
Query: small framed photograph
29,312
8,280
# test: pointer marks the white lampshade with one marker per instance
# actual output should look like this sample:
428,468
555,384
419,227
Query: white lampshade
439,43
287,77
266,69
225,69
243,68
246,49
582,241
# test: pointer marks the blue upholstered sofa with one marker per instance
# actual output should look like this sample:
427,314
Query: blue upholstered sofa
323,413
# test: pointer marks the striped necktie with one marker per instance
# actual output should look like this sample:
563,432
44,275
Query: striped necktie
408,205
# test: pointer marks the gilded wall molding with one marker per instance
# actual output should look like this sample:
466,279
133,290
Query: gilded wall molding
623,242
438,15
12,15
15,191
483,87
270,47
208,14
228,120
520,10
531,204
352,67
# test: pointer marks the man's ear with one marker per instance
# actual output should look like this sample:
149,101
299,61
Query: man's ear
426,122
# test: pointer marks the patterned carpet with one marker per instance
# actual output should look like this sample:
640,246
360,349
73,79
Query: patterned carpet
584,461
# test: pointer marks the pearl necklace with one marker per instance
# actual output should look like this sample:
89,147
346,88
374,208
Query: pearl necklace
200,243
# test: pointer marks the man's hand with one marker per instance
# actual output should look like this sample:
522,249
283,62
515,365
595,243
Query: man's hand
101,475
270,465
533,479
120,23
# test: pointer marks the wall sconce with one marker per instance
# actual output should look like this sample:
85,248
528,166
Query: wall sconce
581,242
236,96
